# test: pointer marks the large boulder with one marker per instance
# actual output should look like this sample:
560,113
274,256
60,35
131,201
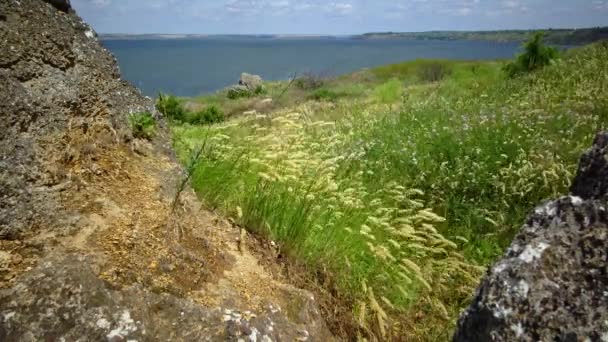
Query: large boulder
552,283
99,241
251,82
61,96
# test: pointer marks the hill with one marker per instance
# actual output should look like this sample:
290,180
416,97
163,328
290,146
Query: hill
553,36
394,187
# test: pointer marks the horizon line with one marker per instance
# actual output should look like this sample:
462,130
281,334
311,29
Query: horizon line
349,34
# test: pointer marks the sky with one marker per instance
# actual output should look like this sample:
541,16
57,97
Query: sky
335,17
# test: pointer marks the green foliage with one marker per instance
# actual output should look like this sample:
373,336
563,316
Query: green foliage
417,70
433,72
309,81
210,115
389,92
237,93
242,92
396,206
324,94
171,107
142,125
260,90
536,55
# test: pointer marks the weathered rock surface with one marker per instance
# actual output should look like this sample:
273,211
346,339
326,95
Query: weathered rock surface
591,181
251,82
552,283
63,299
94,243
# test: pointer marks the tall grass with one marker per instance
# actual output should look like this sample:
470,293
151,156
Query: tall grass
399,208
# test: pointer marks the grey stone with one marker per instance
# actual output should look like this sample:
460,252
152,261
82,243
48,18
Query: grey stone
251,82
63,299
64,105
591,181
55,77
552,283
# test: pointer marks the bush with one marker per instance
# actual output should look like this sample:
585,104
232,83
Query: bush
433,72
536,55
259,90
143,125
389,92
238,92
309,81
170,106
209,115
324,95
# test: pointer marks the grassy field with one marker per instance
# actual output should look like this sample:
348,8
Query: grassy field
397,185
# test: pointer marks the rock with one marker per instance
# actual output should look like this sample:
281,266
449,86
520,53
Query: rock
85,206
60,90
592,177
251,82
62,5
551,283
62,299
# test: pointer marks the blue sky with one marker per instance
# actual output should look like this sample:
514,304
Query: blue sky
335,17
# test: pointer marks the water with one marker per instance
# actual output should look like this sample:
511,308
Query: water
190,67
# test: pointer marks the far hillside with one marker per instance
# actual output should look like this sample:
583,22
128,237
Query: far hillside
391,189
553,36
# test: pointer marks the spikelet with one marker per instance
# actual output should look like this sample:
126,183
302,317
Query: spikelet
381,316
387,302
361,320
411,266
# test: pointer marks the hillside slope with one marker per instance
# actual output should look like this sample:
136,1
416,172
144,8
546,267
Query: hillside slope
96,242
397,186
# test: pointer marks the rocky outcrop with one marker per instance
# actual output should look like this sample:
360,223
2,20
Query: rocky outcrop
251,82
551,284
61,98
95,243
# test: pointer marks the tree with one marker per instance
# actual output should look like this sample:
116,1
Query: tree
536,55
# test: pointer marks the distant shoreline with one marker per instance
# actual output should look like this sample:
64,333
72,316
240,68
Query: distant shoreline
553,36
115,36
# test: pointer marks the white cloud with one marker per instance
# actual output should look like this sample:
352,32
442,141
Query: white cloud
339,8
463,11
101,3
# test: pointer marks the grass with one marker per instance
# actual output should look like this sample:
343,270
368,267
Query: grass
389,92
400,207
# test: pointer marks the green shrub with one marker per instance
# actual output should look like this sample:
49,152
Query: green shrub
143,125
536,55
259,90
433,72
240,92
309,81
170,106
209,115
324,94
389,92
237,93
